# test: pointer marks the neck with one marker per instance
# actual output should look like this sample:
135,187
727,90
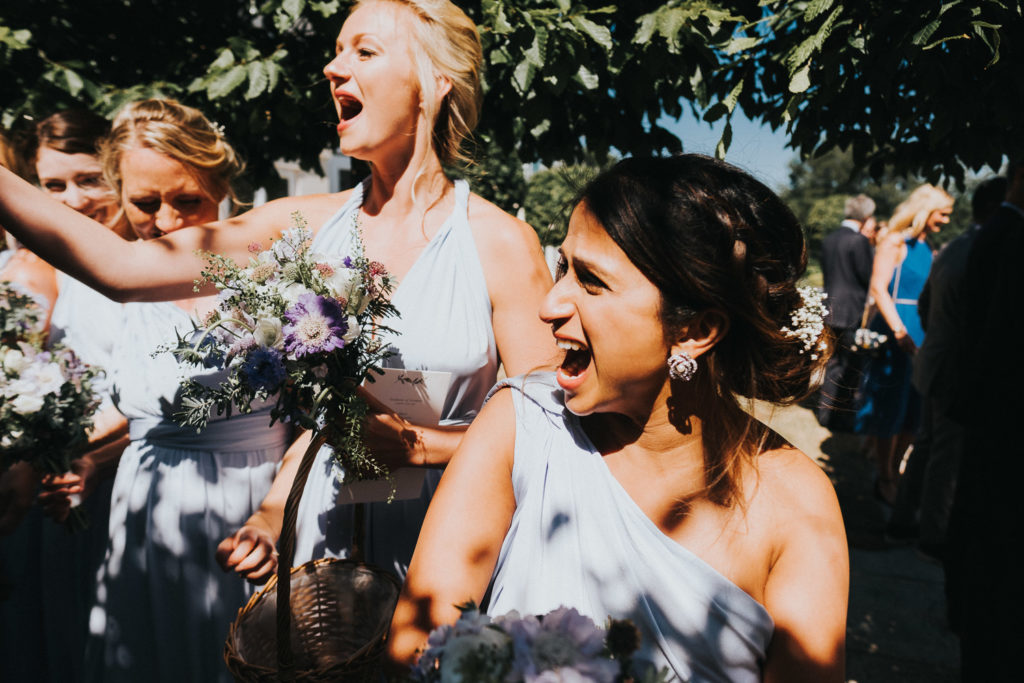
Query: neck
407,182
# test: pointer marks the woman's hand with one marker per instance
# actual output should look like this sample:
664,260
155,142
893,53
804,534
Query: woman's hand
905,341
55,495
393,440
250,552
17,489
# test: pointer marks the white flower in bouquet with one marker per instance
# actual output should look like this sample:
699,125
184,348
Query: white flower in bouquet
15,361
298,328
26,403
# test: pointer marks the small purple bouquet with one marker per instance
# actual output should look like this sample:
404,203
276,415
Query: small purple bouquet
47,400
300,328
563,645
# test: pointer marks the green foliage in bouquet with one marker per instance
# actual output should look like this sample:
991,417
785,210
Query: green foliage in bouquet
300,329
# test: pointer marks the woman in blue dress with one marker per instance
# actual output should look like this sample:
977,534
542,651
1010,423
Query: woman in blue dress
890,408
631,483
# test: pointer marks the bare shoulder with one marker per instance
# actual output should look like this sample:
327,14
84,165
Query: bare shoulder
315,210
496,232
797,490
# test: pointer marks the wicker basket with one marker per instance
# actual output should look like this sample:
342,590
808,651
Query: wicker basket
336,613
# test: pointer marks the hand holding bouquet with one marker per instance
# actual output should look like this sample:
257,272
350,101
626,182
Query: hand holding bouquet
46,396
300,327
562,645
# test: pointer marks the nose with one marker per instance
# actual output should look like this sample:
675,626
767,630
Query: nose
337,69
557,304
167,219
74,198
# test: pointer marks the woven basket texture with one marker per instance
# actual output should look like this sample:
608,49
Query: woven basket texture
341,611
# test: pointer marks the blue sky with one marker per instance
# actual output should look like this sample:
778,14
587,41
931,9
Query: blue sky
755,148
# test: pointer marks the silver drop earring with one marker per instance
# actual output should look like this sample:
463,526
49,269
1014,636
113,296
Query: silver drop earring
682,366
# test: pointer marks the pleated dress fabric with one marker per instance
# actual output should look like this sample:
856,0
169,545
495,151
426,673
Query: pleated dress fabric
444,325
578,539
163,605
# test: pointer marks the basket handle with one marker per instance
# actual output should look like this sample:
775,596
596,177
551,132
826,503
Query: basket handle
286,543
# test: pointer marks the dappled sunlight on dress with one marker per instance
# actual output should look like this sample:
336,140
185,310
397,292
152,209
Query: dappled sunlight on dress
163,604
444,324
578,539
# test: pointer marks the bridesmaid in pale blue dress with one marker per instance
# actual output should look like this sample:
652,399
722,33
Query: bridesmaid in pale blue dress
890,410
632,483
162,605
405,107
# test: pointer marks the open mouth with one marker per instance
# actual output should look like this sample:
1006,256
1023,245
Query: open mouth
576,361
350,107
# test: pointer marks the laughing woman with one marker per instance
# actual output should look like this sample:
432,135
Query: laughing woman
405,82
631,483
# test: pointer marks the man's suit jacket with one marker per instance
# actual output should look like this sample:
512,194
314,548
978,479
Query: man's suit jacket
846,260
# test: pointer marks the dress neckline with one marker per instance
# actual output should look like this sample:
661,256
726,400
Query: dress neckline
631,506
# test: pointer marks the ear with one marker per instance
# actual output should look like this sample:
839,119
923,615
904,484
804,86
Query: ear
701,334
444,86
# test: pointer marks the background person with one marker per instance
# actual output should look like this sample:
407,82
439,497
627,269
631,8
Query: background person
623,488
846,261
890,410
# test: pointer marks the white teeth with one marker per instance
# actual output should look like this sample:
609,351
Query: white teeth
567,345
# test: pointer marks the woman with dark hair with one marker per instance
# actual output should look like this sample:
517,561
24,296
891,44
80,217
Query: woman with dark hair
632,482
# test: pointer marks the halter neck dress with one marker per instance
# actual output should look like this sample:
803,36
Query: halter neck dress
444,325
163,605
578,539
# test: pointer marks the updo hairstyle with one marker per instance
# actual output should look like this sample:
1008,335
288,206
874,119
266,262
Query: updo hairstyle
911,216
712,238
446,42
179,132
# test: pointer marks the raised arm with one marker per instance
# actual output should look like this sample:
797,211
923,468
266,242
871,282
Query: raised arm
462,534
152,270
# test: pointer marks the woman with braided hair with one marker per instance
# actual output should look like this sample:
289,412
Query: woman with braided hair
632,482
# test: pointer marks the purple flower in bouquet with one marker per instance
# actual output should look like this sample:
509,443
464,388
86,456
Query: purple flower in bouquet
315,324
264,368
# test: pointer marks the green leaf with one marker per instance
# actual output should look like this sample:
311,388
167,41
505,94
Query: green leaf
599,34
816,8
326,9
74,82
259,79
922,36
222,85
739,44
564,5
540,128
588,78
225,59
522,76
801,80
723,143
293,8
273,74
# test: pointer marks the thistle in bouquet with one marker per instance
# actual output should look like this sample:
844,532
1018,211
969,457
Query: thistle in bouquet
299,328
21,317
562,645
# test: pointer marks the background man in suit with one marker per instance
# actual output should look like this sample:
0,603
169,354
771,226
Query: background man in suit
846,261
927,485
984,584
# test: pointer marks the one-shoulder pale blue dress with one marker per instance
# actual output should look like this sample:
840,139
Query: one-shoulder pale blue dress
163,605
444,325
578,539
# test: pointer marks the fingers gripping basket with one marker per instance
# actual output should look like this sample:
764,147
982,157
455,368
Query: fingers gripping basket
326,620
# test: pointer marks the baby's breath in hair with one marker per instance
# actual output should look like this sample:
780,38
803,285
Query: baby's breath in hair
807,323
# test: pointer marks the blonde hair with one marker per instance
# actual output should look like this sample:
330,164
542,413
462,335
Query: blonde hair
446,44
911,216
177,131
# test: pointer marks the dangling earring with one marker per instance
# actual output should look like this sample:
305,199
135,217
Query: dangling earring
682,366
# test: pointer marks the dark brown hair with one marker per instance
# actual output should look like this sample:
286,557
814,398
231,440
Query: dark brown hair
711,237
73,131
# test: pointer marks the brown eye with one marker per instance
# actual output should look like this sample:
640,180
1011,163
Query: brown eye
54,186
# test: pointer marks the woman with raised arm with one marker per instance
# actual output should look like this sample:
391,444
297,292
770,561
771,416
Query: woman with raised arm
632,483
406,88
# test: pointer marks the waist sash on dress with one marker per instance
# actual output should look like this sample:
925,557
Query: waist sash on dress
240,433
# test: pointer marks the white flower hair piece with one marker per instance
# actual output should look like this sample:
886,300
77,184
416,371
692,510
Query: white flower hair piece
807,323
218,128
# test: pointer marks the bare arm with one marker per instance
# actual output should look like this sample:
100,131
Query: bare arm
152,270
887,258
808,585
462,534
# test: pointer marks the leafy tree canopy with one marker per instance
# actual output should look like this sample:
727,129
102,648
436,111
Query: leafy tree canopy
924,86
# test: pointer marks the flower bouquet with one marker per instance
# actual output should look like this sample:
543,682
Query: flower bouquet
46,396
299,327
562,645
866,340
